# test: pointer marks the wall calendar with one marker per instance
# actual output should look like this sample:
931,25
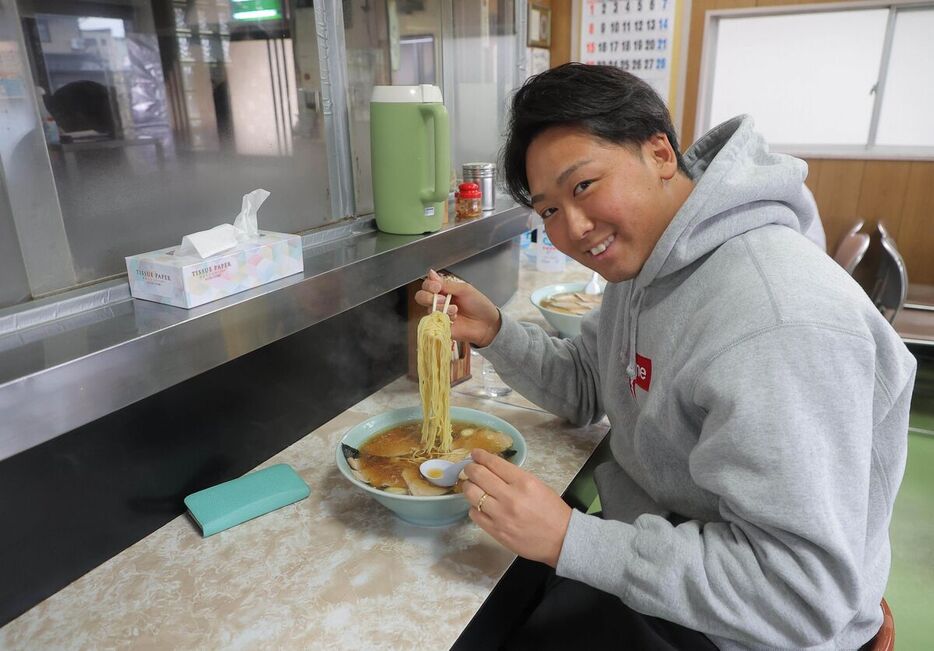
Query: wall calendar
638,36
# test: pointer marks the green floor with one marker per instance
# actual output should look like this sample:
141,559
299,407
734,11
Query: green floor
910,592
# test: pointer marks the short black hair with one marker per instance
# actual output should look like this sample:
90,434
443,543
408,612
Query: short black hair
603,101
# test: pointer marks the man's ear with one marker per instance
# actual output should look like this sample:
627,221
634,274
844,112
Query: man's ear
662,155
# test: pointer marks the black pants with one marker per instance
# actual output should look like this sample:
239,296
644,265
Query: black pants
573,615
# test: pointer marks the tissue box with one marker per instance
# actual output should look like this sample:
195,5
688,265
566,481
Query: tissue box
188,281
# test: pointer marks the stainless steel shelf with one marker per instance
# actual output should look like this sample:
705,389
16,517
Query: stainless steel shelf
62,374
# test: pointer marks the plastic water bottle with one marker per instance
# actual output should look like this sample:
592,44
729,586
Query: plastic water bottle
549,258
525,247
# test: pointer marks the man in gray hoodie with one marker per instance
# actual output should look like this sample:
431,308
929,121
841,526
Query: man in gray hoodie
758,400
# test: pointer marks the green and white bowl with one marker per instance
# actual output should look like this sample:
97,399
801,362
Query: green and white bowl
428,511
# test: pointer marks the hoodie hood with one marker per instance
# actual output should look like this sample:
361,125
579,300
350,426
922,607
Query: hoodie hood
739,186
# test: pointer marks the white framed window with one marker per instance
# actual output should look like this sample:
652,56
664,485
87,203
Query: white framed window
832,80
907,113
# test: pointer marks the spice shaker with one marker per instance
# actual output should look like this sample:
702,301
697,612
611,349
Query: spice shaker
468,201
484,175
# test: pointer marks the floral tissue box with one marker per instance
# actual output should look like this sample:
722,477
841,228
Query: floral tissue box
188,281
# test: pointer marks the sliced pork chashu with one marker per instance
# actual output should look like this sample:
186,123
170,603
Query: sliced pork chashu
485,439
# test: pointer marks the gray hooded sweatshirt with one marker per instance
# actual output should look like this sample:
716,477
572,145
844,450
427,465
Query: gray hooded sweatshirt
759,412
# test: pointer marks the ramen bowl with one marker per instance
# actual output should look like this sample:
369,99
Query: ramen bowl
426,511
567,325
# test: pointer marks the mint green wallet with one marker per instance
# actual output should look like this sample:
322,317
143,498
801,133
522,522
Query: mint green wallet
227,505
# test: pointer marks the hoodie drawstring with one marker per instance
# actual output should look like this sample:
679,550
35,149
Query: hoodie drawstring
635,306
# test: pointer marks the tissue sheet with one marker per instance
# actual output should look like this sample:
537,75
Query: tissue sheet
204,244
188,280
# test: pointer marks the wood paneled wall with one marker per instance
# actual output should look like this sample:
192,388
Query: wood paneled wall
900,194
560,31
560,50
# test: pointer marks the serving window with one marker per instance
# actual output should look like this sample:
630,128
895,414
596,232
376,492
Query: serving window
130,124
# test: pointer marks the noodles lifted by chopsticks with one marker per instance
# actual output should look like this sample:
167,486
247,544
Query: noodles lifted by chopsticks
434,381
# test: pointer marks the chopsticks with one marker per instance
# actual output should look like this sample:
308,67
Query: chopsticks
434,303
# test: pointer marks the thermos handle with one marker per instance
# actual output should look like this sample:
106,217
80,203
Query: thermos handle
442,172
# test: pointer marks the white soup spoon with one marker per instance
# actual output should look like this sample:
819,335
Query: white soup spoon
443,473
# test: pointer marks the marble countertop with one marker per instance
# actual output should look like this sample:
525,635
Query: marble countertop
335,570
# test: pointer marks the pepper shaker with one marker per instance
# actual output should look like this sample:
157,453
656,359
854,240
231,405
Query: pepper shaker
484,175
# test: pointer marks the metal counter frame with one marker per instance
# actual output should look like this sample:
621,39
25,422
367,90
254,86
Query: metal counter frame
61,374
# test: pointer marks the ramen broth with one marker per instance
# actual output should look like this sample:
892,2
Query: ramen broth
390,460
572,302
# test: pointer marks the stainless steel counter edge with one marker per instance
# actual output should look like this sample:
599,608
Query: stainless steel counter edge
59,376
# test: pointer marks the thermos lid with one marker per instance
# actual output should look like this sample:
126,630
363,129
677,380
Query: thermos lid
468,191
422,94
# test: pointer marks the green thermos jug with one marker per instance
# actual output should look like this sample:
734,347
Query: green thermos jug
410,154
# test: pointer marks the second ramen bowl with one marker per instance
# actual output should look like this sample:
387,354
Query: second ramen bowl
567,325
433,511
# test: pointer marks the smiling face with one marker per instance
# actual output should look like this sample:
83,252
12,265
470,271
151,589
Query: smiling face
604,205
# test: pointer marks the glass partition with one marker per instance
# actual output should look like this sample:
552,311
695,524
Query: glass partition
16,121
14,288
136,122
484,73
398,42
158,116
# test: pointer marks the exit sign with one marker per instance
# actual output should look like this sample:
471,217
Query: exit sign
256,9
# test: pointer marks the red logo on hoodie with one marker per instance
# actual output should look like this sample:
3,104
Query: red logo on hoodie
643,375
